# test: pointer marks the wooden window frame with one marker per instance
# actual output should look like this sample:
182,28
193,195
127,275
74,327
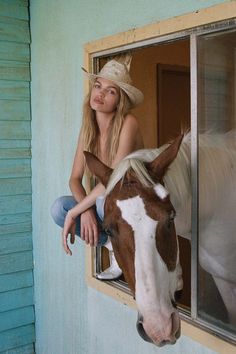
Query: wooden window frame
178,27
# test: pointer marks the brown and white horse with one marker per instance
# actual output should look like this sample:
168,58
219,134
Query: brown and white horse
140,218
140,214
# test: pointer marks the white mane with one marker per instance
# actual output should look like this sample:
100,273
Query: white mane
176,179
217,167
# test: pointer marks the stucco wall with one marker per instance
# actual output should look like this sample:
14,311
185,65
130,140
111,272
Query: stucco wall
71,318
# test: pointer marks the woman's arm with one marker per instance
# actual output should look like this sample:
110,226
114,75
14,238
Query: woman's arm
91,237
88,220
87,202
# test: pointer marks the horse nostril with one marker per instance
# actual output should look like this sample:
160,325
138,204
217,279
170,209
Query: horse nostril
140,329
178,295
174,304
164,342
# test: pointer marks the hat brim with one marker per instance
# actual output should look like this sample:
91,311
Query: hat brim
135,95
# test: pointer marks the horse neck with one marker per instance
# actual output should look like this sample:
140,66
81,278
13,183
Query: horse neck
177,179
217,173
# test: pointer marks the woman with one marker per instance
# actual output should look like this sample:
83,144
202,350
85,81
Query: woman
111,133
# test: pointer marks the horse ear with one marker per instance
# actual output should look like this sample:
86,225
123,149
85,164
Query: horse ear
98,168
161,163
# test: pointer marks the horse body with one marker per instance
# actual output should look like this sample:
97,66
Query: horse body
140,211
217,205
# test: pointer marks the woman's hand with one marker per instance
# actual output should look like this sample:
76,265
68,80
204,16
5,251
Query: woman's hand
89,227
68,229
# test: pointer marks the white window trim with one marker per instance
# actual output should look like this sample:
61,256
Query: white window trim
153,33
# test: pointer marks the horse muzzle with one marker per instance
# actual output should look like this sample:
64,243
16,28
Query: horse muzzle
173,338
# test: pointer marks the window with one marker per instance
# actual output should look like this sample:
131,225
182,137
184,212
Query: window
208,53
216,298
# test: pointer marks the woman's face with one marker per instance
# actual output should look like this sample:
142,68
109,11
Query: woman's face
105,96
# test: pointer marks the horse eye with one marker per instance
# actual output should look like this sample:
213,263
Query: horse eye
171,218
108,231
172,215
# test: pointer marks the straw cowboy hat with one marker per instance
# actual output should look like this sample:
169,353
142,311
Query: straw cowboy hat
119,74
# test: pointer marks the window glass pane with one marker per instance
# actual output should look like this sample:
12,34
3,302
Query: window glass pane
217,180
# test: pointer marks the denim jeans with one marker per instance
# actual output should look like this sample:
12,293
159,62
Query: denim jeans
63,204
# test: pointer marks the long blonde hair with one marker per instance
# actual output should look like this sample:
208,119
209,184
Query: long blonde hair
90,130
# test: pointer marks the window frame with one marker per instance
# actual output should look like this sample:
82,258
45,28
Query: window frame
193,25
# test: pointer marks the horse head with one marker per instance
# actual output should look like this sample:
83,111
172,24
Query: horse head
140,219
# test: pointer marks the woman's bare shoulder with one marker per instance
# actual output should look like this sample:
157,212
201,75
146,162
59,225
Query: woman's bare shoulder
131,120
132,131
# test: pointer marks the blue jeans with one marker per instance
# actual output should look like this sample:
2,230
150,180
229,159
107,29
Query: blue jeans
63,204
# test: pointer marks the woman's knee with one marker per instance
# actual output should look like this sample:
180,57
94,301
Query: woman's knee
60,208
57,210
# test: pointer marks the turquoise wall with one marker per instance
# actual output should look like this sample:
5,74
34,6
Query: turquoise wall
70,317
16,256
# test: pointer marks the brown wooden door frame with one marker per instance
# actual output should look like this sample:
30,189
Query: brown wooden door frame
176,69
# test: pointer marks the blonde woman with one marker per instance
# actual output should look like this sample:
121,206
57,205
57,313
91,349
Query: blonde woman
110,132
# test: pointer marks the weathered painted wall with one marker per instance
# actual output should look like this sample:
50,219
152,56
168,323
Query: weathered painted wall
71,318
16,256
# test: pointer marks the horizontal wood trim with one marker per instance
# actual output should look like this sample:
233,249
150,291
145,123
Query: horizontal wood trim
15,153
14,30
220,12
207,339
16,318
15,130
14,186
12,244
14,90
13,281
12,228
108,289
17,337
14,110
17,2
13,70
15,9
14,51
25,349
15,144
16,262
15,168
15,219
15,204
11,300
